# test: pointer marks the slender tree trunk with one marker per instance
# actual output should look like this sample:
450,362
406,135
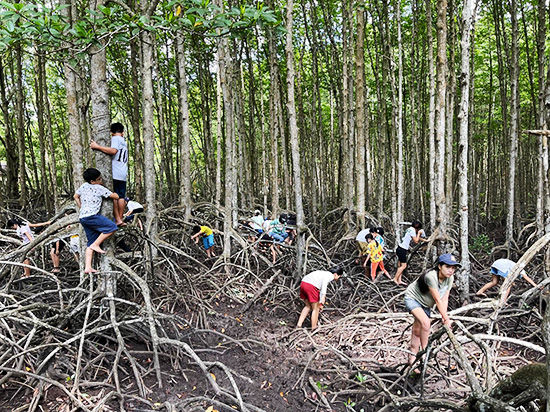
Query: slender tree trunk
50,153
360,115
450,112
20,129
514,124
400,172
542,186
183,120
138,152
431,115
441,93
468,18
230,186
73,115
219,126
293,128
40,85
11,151
273,121
148,132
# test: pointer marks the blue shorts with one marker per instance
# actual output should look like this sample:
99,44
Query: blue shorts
96,225
119,187
279,237
495,271
208,241
411,304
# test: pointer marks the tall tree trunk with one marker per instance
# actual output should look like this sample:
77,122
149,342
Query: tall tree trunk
20,128
148,132
12,164
101,121
40,103
228,103
400,172
514,123
543,208
273,122
468,18
431,113
360,114
75,132
183,111
450,112
138,152
50,153
293,128
441,93
219,125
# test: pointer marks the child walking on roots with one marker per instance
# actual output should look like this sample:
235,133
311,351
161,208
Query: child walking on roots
374,252
88,198
313,290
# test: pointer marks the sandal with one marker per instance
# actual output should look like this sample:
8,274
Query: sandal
56,269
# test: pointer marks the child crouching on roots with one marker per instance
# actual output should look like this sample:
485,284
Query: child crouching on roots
431,288
313,290
207,238
88,198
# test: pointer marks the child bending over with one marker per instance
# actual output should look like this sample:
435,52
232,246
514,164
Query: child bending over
24,231
207,238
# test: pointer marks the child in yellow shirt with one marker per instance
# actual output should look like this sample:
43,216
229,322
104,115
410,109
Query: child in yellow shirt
374,251
207,238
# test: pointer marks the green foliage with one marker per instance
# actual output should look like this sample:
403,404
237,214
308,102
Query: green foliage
482,244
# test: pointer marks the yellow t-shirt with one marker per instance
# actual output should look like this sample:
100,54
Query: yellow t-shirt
206,231
375,252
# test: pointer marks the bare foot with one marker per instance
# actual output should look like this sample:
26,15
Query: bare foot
402,283
482,294
90,270
121,223
97,249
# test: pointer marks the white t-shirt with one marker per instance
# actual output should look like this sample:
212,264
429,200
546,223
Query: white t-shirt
362,235
25,233
320,279
91,197
266,225
505,266
133,205
119,160
409,234
257,222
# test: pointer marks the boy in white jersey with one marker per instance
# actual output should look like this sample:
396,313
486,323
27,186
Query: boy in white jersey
119,161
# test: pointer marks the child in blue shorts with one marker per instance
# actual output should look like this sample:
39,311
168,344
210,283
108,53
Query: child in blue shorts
207,238
88,198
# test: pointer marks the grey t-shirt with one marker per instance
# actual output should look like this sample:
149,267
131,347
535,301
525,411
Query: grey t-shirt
432,280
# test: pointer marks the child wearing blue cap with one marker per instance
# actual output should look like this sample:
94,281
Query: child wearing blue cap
431,288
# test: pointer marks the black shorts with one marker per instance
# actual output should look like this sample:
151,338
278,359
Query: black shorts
60,247
119,187
401,254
